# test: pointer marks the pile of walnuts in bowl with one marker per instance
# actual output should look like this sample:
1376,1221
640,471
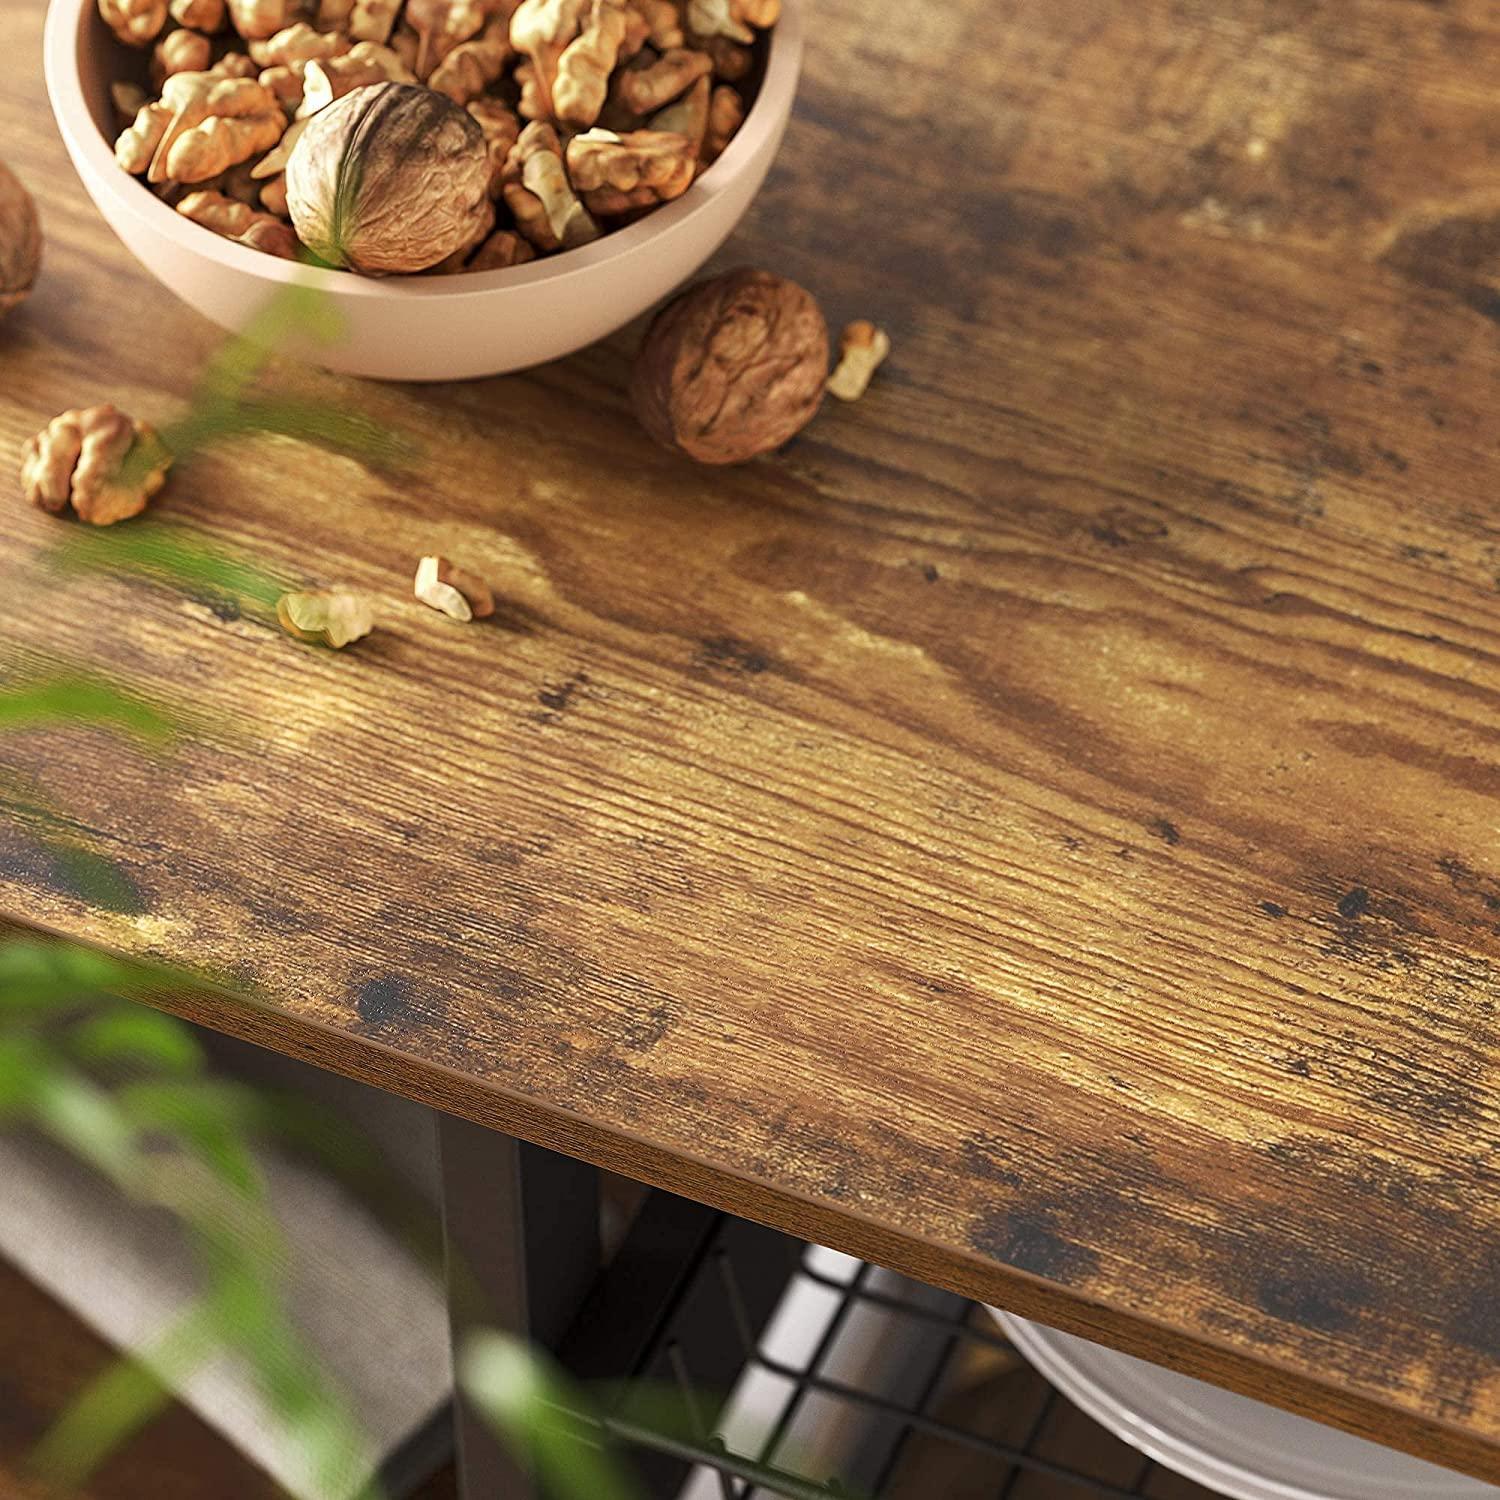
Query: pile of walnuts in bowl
394,137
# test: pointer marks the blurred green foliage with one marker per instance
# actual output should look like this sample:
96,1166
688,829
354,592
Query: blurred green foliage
168,555
546,1421
129,1092
75,698
46,701
227,402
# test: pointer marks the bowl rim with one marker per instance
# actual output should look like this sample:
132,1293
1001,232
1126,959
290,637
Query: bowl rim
66,35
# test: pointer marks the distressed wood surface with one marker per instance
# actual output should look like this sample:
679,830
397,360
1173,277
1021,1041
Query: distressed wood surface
1040,831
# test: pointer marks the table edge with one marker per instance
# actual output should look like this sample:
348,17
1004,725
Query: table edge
260,1022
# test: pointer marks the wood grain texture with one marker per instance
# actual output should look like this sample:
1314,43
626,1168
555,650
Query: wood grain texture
1040,831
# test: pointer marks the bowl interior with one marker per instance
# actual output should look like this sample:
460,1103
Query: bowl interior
84,59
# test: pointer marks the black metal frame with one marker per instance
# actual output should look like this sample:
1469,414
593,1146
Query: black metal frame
722,1277
521,1240
683,1307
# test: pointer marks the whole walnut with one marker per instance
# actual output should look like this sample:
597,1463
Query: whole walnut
20,241
732,368
392,177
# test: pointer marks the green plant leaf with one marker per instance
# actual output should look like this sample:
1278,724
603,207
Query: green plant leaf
224,405
239,362
180,1140
206,1115
23,1060
59,855
31,967
126,1397
348,432
92,970
37,974
136,1034
326,1435
291,1381
83,1119
92,878
534,1410
168,555
80,699
320,1134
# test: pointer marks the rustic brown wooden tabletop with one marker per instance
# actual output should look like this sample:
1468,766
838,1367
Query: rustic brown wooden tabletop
1040,831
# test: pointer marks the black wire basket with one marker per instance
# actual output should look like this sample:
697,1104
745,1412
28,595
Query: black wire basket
881,1388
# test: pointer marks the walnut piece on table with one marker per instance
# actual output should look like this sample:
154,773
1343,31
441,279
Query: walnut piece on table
862,350
452,591
325,617
97,461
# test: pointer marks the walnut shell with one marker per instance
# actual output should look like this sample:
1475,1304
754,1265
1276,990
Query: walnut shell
732,368
20,241
390,178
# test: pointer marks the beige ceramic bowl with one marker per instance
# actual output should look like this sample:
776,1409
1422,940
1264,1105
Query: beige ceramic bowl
421,328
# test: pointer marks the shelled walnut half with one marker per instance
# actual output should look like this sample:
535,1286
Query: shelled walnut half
618,173
372,20
203,124
218,127
541,30
255,19
298,43
640,91
325,617
537,191
726,113
731,18
582,82
326,79
180,51
200,15
240,222
663,20
688,116
501,132
442,25
503,249
98,461
471,67
137,23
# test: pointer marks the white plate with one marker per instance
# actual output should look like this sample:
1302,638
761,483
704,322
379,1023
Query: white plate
1236,1446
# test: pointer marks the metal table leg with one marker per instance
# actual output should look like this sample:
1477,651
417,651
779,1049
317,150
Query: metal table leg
521,1231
